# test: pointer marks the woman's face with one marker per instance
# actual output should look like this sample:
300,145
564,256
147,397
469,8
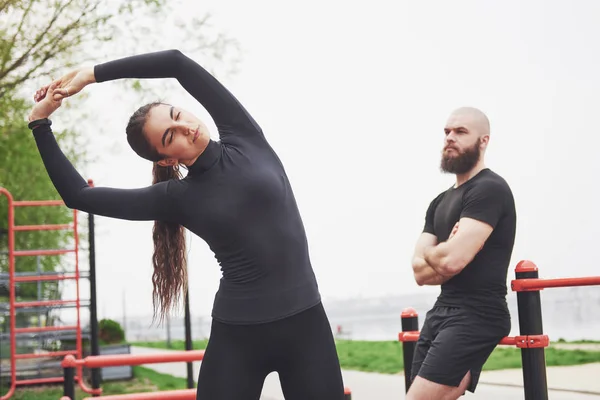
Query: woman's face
176,134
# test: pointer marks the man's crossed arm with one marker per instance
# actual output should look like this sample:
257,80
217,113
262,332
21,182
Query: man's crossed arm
434,263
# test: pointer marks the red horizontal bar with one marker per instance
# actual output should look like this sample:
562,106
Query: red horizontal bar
21,253
33,203
530,284
48,354
509,341
138,359
39,278
409,336
48,303
182,394
530,341
45,329
56,227
38,381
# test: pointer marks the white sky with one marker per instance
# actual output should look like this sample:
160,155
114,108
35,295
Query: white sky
353,96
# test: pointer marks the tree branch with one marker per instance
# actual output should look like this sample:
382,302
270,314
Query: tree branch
12,43
20,60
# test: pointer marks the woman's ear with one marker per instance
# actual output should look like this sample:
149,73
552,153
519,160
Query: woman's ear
168,162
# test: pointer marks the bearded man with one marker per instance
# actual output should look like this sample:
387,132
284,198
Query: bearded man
465,247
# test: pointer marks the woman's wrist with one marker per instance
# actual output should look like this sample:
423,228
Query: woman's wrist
89,75
35,116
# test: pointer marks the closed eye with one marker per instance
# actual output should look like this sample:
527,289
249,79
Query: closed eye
172,130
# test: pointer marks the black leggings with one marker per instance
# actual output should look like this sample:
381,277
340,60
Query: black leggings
300,348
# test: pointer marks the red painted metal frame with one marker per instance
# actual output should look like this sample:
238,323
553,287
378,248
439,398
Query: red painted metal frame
48,303
519,341
13,305
133,359
11,295
523,285
61,277
47,354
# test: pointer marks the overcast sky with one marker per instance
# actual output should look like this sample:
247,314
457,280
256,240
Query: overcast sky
353,96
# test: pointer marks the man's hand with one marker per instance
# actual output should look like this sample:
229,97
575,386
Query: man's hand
454,230
423,272
45,107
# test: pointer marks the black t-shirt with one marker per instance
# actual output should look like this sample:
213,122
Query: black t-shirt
482,283
236,197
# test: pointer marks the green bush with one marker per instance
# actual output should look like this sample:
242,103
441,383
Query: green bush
110,331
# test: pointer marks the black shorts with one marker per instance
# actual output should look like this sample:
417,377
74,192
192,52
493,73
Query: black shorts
455,340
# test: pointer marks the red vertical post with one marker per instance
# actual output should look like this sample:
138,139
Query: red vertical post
410,323
347,394
530,324
11,296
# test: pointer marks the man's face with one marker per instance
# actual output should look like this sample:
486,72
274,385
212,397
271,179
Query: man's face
462,145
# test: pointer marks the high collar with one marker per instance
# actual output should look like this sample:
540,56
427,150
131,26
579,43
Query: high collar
207,159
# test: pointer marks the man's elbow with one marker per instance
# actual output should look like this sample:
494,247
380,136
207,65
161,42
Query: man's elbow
420,279
417,266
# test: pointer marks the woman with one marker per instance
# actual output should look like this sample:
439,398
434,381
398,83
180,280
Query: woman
267,313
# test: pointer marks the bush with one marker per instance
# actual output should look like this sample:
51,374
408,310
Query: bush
110,331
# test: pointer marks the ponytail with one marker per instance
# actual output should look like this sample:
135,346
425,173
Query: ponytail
169,258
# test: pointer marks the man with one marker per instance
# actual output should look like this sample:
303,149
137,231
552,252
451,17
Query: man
465,247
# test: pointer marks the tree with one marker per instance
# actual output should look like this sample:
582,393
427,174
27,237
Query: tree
40,39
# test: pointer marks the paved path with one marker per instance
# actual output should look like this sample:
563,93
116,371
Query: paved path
493,384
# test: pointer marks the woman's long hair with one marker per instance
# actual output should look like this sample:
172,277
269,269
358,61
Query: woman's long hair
169,258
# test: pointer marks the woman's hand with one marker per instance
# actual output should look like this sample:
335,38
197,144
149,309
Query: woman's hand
69,84
48,104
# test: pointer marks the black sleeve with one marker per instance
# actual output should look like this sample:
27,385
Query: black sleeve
429,216
144,204
485,202
224,108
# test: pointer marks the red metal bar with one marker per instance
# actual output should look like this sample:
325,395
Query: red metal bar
48,303
38,381
129,359
33,203
183,394
56,227
53,252
39,278
12,297
408,336
48,354
522,285
45,329
79,344
519,341
509,341
12,253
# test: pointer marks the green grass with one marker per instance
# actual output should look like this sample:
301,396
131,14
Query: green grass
145,380
386,356
585,341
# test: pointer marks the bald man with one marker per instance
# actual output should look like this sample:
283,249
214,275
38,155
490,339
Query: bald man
465,247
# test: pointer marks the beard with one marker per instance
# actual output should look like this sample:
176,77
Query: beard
463,162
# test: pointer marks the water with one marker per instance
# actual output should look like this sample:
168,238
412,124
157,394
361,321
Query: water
567,313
